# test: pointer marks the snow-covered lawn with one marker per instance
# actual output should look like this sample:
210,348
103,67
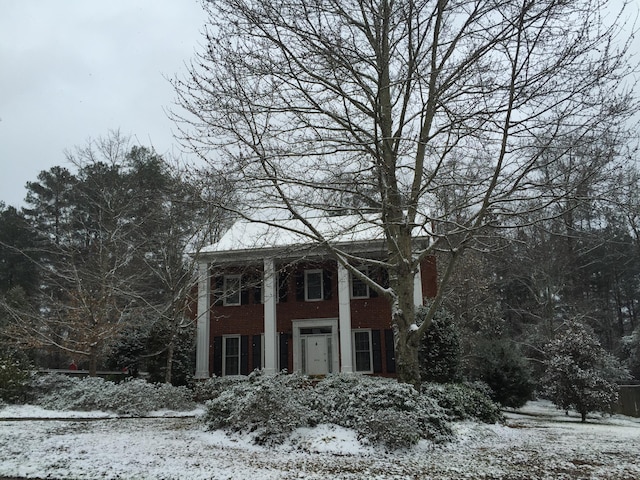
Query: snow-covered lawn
537,442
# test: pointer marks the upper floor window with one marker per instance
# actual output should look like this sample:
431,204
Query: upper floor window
359,289
232,290
313,285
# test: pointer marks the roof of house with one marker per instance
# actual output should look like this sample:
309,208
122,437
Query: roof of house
250,239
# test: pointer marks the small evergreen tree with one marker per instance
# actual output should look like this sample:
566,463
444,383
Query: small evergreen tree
631,348
580,374
501,365
439,351
15,373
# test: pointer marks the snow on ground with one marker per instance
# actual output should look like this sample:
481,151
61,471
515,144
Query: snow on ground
537,442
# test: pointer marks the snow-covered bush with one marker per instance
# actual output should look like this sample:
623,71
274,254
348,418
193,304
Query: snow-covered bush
132,397
463,401
214,386
381,411
15,374
137,397
580,374
268,406
44,384
391,428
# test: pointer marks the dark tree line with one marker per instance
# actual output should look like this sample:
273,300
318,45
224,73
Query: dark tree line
577,261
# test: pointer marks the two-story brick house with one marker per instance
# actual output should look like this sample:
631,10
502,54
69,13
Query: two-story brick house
270,298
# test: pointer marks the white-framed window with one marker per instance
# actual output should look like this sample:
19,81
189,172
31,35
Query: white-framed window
313,285
232,286
359,289
362,351
231,355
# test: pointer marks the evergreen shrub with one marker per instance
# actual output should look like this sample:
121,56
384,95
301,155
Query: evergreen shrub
440,351
269,407
580,373
361,402
465,401
381,411
15,375
213,387
133,397
501,365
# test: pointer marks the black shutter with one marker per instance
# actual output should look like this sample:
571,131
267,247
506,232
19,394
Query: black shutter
244,355
217,356
284,351
377,352
374,274
256,352
218,292
384,281
244,290
283,287
390,351
300,286
257,290
326,280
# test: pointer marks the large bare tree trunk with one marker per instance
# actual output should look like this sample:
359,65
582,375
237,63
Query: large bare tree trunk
93,362
169,365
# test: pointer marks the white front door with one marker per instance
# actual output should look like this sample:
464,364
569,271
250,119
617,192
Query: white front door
316,346
317,354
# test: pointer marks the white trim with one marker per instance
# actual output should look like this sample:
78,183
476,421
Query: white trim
225,290
224,354
307,273
353,342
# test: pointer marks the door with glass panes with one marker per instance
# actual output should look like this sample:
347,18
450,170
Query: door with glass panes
316,350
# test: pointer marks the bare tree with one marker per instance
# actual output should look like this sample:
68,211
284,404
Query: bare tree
183,222
89,288
431,115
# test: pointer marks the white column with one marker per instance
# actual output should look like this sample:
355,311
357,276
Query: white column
344,319
203,321
270,330
418,298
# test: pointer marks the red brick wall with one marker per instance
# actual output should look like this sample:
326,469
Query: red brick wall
372,313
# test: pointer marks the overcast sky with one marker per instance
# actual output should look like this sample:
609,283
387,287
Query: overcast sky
71,70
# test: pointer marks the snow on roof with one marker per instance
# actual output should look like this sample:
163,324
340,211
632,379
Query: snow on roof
247,235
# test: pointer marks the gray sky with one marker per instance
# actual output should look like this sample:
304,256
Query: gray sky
71,70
